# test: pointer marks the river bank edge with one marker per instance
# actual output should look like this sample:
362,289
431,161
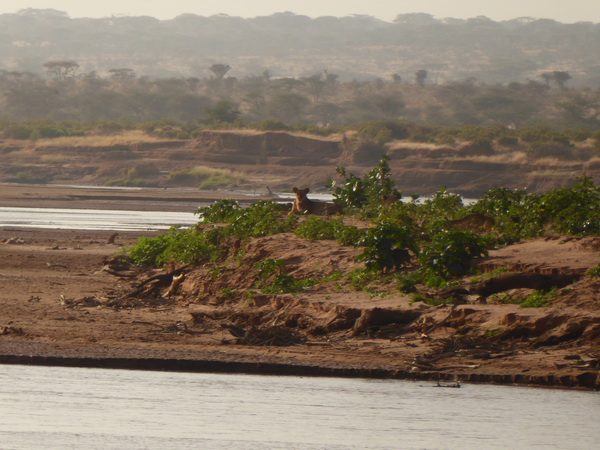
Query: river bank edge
587,381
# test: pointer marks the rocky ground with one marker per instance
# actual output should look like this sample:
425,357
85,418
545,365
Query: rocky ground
70,297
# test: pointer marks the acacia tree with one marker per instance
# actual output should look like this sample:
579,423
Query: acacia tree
560,78
220,70
61,69
420,76
122,74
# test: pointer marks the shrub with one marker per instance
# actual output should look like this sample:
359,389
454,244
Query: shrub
222,211
575,210
186,246
365,193
261,218
518,215
452,253
387,247
318,228
383,131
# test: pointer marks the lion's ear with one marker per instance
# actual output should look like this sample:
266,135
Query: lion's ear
306,191
295,190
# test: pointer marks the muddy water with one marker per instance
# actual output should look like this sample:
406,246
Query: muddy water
62,408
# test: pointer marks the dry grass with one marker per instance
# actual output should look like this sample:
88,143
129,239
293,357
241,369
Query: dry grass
55,159
509,158
398,145
247,132
125,138
552,161
549,174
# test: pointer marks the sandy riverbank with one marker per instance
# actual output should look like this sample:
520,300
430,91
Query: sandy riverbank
68,300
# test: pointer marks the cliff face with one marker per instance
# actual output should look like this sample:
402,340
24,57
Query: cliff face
282,160
417,169
267,148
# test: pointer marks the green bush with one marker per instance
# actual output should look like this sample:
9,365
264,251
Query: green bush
387,247
316,228
319,228
222,211
185,246
365,193
383,131
575,210
518,215
452,253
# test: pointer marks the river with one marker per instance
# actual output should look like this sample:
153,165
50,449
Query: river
71,408
93,219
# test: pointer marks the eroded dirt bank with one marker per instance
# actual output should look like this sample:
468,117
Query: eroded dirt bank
68,298
255,160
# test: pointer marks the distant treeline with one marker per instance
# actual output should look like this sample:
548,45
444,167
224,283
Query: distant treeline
357,47
316,101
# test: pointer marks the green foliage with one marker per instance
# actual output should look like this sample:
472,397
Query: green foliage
435,212
383,131
365,193
131,182
517,214
318,228
43,128
275,281
222,112
497,271
359,279
542,134
387,247
407,281
575,210
436,301
205,178
186,246
452,253
272,125
222,211
595,272
261,218
539,299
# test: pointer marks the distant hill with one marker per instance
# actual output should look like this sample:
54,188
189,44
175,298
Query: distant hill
290,45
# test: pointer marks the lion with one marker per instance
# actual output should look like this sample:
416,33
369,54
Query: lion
390,200
473,221
303,205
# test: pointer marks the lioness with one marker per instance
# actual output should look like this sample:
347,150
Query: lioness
478,221
303,205
390,199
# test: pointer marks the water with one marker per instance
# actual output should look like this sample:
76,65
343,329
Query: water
93,219
71,408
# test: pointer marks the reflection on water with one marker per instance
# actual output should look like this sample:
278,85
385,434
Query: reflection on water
53,407
93,219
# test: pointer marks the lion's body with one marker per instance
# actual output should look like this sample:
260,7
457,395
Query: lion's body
303,205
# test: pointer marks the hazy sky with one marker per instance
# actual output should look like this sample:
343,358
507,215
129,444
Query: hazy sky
567,11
